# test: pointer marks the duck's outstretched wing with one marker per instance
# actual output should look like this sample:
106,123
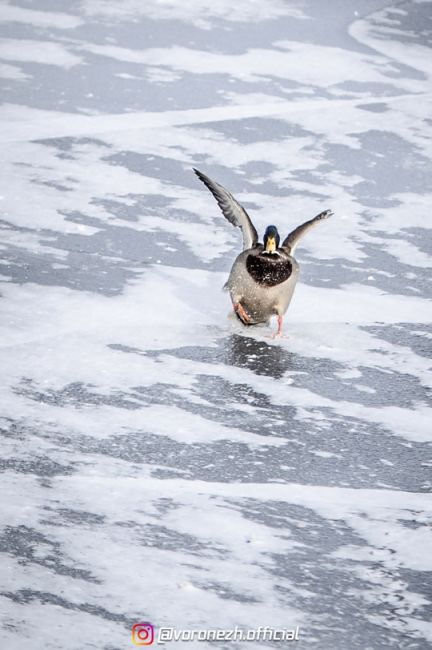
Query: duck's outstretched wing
232,210
290,242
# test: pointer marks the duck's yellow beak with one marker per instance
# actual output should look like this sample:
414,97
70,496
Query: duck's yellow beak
270,244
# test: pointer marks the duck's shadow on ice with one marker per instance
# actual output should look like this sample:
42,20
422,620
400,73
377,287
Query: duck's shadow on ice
256,355
235,350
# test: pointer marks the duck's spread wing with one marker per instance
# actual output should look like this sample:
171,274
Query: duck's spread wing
291,241
232,210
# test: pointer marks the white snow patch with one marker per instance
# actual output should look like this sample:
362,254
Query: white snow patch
40,18
33,51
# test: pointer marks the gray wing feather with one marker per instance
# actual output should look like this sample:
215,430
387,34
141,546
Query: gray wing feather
232,210
291,241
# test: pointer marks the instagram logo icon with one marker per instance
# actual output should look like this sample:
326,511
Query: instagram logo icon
142,634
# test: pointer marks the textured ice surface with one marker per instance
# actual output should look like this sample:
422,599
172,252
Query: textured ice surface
160,463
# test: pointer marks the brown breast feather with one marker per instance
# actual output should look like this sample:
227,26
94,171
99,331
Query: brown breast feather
268,270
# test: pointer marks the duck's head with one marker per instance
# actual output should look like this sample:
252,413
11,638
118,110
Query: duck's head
271,239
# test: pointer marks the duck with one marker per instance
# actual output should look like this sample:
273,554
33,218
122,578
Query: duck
263,276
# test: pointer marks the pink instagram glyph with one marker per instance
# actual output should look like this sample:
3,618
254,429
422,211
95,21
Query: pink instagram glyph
142,634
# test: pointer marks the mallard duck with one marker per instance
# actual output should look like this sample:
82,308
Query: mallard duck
263,276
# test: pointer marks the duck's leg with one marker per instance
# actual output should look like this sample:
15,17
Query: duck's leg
280,324
279,329
241,312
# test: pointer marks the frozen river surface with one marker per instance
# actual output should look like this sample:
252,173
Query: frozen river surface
159,463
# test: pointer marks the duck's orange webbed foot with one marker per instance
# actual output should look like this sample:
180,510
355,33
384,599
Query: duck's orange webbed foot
241,313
